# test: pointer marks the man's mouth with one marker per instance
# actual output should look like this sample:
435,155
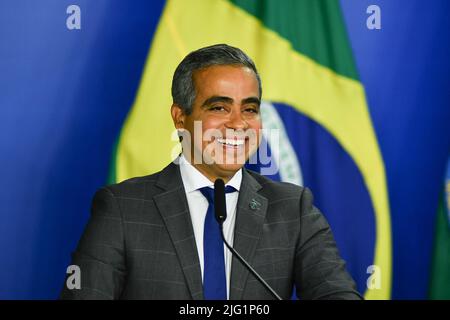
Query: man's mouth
231,142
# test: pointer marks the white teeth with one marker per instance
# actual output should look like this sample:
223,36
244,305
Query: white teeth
231,142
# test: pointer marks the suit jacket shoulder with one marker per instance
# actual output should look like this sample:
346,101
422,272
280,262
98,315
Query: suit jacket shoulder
303,236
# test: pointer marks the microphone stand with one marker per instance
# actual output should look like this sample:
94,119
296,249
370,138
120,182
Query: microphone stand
247,265
220,211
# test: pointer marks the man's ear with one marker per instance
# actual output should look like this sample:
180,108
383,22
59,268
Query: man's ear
178,116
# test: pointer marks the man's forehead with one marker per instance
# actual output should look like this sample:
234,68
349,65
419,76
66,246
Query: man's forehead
222,70
223,75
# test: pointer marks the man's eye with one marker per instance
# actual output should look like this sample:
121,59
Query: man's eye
217,108
251,110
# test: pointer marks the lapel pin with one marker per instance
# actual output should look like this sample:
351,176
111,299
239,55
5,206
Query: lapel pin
255,205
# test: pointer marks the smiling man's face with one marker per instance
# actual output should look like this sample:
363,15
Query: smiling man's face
227,105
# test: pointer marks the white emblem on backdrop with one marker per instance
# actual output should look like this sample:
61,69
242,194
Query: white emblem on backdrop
289,166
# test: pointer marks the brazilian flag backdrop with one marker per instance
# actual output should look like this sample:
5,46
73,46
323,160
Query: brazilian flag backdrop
362,116
311,93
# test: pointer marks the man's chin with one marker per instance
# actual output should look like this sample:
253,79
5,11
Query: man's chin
228,169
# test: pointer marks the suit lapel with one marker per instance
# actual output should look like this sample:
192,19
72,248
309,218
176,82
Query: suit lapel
250,216
173,207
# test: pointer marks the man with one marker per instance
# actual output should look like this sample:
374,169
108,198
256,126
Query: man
153,237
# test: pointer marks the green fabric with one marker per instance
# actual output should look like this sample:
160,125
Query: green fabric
314,28
440,276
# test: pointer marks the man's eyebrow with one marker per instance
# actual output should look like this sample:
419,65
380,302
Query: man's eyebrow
250,100
215,99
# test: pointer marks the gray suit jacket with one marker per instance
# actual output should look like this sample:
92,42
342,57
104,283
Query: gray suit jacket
139,243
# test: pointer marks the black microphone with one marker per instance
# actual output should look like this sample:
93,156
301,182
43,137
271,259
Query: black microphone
220,209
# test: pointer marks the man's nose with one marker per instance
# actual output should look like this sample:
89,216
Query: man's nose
236,121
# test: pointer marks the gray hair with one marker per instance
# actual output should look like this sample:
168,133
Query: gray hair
183,89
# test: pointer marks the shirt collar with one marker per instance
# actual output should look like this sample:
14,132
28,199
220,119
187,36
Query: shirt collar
194,179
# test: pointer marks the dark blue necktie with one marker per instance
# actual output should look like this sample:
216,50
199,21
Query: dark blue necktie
214,276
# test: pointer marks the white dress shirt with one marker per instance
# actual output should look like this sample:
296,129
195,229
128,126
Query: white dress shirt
193,180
